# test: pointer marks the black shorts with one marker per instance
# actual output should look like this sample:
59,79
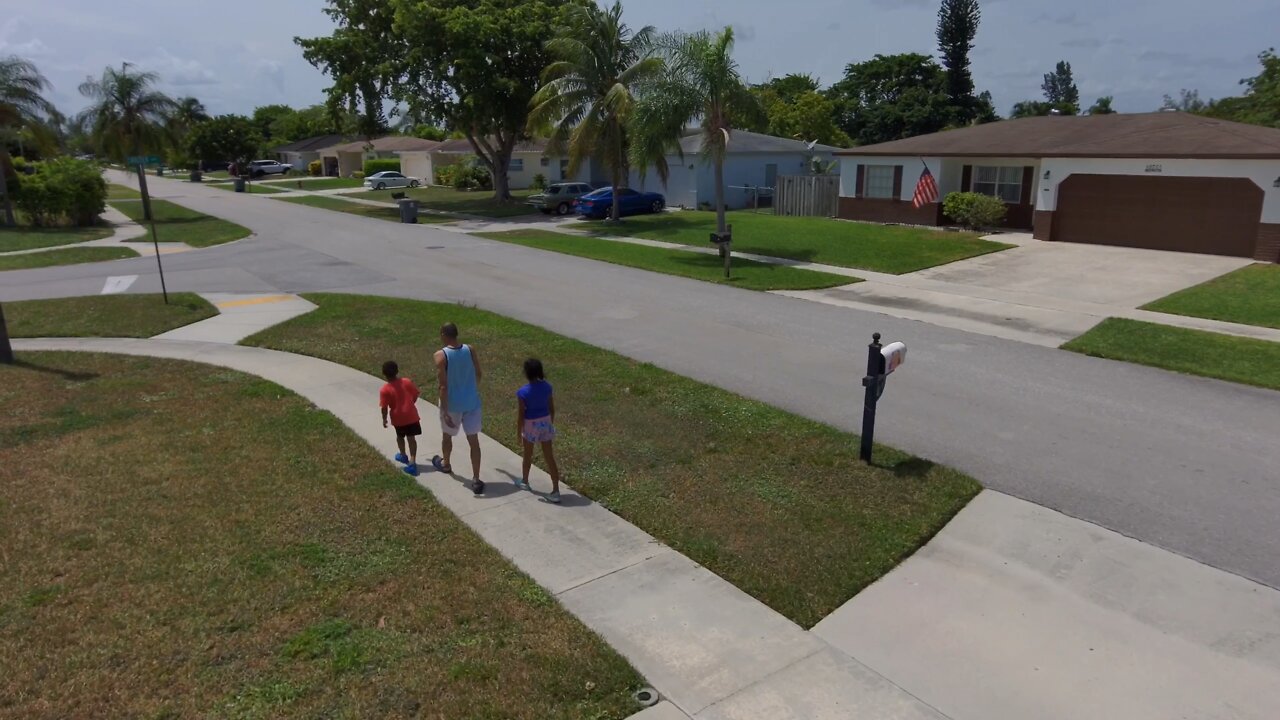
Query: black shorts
410,430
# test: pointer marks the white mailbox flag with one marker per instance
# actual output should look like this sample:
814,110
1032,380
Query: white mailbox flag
895,354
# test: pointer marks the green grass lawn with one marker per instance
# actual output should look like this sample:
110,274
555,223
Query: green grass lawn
25,237
1225,357
881,248
256,188
122,192
776,504
175,223
1250,295
65,256
354,208
745,274
326,183
216,175
105,315
479,202
187,541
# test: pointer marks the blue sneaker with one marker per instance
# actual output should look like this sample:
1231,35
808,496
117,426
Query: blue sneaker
520,484
411,469
401,458
554,497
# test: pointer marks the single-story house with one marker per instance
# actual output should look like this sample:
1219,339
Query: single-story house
1164,180
302,153
345,159
528,159
754,160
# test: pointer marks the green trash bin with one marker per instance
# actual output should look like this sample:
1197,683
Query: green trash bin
239,184
408,211
196,176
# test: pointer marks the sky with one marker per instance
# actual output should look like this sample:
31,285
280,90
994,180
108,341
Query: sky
235,54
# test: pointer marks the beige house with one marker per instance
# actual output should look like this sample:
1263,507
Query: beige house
345,159
528,159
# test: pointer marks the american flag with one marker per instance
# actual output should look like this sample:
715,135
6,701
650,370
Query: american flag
926,190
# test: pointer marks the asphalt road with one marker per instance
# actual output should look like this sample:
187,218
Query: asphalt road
1184,463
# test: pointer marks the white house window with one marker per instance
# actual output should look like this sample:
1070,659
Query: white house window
879,181
1001,182
564,167
543,161
516,165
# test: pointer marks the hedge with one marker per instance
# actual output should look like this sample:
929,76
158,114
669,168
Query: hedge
381,164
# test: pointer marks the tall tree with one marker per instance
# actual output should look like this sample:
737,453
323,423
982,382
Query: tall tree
226,138
22,102
476,65
794,108
189,111
588,91
266,117
127,115
957,27
1031,108
1102,106
700,84
1060,89
891,97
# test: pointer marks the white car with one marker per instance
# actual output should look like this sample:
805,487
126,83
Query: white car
258,168
390,179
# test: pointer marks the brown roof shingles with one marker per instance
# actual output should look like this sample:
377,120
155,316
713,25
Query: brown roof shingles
1144,135
389,143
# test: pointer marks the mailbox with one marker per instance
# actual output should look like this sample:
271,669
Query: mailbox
894,354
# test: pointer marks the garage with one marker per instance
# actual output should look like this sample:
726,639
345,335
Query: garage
1212,215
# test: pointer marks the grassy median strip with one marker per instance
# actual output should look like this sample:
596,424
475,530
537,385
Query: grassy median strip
776,504
122,192
1250,295
66,256
105,315
391,214
881,248
188,541
175,223
470,202
324,183
746,274
25,237
1225,357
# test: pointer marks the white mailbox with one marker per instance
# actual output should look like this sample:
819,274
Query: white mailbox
895,354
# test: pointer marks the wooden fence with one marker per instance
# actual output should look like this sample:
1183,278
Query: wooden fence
816,195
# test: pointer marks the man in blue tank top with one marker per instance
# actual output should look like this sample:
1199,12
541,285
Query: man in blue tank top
458,368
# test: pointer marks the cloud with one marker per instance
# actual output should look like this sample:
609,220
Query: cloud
272,72
1087,43
1188,60
30,48
1067,19
176,71
897,4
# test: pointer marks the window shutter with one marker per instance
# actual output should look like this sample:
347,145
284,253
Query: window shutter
897,182
860,181
1028,179
966,179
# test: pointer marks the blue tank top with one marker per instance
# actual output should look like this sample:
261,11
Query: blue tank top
464,396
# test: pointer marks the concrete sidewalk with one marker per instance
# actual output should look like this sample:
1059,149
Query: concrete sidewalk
710,649
125,233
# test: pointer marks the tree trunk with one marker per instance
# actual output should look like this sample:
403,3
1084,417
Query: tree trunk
719,163
5,164
615,212
6,349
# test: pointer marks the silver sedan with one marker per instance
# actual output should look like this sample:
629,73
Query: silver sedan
390,179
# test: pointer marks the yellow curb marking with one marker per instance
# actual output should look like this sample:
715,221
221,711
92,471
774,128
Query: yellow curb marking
255,301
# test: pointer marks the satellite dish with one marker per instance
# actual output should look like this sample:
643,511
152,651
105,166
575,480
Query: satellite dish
809,145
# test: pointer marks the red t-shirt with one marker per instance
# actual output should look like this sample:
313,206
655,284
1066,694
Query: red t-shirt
399,396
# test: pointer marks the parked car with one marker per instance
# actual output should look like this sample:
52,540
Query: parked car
390,179
597,204
258,168
559,197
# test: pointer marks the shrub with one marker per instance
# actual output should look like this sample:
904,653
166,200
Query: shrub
471,175
381,164
974,210
357,175
445,174
314,168
63,190
539,182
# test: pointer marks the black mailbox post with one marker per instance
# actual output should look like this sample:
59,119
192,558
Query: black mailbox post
724,242
881,362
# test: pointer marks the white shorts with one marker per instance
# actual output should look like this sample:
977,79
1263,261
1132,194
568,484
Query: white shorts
468,422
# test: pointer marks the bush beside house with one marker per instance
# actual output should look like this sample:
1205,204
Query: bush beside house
62,191
974,210
381,165
315,168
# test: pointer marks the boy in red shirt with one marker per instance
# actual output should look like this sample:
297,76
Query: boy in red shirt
398,397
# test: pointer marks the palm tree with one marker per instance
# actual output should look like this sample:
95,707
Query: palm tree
21,103
701,85
588,91
188,111
128,116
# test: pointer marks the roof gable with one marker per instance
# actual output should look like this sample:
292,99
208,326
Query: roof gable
311,144
1154,135
745,141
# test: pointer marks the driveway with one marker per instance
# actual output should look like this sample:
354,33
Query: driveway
1038,292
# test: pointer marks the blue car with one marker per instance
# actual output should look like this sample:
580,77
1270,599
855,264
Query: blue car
597,204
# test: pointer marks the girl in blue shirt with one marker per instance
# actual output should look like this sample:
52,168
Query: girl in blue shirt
535,423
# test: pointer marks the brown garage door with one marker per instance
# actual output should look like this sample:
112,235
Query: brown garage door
1218,216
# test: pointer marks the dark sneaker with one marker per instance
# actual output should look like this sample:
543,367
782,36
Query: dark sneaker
477,487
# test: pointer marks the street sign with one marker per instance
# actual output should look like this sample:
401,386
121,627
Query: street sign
143,160
895,354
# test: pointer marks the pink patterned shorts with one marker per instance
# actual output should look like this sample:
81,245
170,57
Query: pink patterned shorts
539,430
